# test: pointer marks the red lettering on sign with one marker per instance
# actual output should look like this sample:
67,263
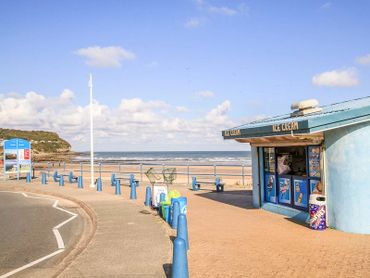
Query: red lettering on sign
26,154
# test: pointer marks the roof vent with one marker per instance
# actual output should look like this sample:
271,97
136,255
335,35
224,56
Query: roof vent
305,107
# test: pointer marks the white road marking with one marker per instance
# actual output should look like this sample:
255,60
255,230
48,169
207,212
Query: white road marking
31,263
55,230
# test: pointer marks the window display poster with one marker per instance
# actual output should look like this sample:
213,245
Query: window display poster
300,193
270,188
316,187
284,190
269,161
314,161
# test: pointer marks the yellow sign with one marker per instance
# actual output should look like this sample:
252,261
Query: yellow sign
233,132
285,127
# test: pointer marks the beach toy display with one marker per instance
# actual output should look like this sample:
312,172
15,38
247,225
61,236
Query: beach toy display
317,207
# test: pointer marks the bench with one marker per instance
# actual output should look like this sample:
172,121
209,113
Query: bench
195,184
71,177
130,178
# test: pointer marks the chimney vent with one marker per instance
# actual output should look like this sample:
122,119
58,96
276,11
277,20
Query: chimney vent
305,107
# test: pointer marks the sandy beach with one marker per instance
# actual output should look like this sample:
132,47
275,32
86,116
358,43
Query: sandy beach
230,175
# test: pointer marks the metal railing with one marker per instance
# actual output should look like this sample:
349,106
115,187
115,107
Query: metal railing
230,173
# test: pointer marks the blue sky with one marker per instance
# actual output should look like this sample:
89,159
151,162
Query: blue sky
170,75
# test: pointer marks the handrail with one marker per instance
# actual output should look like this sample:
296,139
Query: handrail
138,168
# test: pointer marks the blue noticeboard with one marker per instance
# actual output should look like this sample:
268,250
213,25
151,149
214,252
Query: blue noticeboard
17,157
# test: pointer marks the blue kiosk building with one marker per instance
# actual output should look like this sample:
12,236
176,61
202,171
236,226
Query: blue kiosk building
314,149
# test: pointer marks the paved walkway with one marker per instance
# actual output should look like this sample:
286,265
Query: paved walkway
122,240
228,238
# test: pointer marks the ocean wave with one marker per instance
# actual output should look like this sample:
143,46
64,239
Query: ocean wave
160,159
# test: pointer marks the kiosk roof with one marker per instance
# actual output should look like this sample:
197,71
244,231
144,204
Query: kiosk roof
329,117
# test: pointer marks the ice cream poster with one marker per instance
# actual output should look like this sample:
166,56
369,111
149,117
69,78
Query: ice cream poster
284,190
300,193
316,186
270,188
314,161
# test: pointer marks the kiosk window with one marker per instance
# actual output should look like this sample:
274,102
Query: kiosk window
291,161
269,160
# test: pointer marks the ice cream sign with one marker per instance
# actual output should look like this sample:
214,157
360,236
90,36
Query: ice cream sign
232,132
283,127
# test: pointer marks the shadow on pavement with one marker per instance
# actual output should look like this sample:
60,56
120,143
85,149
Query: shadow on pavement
300,219
167,270
237,198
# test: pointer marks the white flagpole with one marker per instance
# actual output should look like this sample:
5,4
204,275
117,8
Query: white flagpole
92,184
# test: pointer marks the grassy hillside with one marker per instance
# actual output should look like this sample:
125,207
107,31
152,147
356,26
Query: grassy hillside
42,141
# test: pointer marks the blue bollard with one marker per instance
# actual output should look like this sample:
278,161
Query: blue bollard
182,229
179,259
133,191
61,180
132,179
162,198
166,215
55,176
80,182
113,179
28,178
175,214
148,196
70,177
194,183
118,187
43,178
99,185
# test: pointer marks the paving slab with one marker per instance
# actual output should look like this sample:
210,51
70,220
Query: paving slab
124,240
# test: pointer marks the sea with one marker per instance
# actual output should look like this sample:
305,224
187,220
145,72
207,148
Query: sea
174,157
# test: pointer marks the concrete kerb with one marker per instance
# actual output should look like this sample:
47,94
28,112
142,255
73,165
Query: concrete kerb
86,237
88,232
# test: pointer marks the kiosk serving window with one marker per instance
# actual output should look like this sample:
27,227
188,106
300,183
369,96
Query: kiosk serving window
291,174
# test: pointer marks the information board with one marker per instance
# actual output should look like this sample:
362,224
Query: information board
17,157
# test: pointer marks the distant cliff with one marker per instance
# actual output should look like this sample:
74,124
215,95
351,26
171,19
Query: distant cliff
45,145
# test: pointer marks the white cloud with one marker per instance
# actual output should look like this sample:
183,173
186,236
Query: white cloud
336,78
105,57
133,124
67,94
218,115
194,22
205,94
227,11
326,5
182,109
223,10
364,60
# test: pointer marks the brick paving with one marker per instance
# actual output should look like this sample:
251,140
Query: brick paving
228,238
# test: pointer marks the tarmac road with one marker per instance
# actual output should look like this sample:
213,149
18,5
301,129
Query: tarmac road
26,231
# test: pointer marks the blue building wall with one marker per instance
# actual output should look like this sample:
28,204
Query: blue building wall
348,178
255,179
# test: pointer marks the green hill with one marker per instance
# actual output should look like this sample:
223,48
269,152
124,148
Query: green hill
43,142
